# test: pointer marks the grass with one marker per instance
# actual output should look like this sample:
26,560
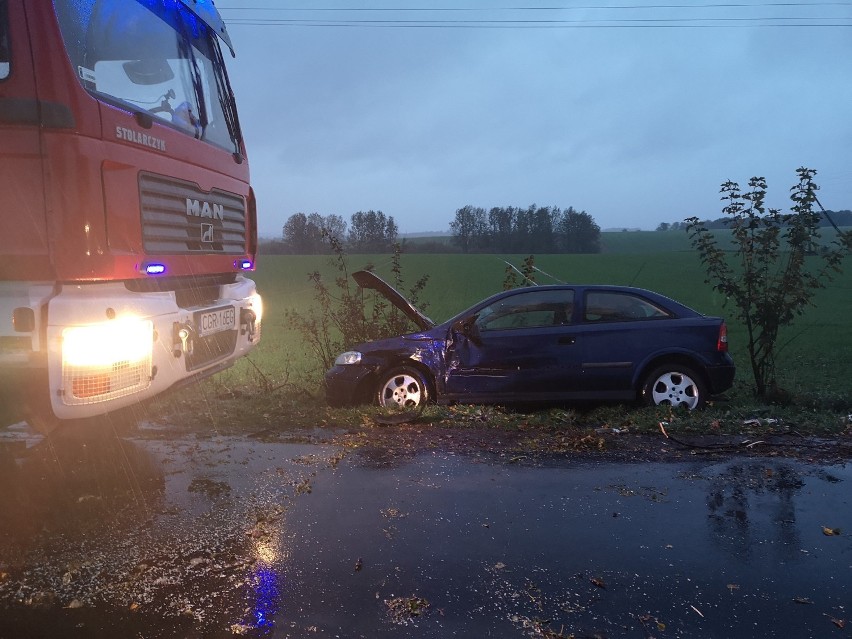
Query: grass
281,380
219,409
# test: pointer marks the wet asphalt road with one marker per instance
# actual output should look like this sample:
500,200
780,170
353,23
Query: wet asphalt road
153,534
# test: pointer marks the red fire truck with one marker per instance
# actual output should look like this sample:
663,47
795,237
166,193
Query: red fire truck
127,222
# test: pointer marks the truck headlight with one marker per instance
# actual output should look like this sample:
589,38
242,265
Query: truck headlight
256,305
121,340
347,358
105,361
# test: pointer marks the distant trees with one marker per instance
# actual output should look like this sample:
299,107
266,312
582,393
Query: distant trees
370,232
577,232
304,234
468,227
825,219
535,229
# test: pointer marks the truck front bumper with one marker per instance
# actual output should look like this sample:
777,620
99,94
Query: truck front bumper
109,347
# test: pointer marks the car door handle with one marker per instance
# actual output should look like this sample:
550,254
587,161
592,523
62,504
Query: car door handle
566,341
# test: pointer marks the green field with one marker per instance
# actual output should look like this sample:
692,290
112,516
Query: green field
815,351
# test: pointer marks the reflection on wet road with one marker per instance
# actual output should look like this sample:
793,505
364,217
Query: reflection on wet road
719,550
164,536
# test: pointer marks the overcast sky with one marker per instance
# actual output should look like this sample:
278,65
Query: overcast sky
631,112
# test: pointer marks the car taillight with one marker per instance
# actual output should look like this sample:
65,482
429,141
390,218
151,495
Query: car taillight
722,344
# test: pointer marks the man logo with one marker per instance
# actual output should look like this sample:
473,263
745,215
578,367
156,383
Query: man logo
206,232
201,208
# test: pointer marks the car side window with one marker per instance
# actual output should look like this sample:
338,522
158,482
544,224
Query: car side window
608,306
5,54
528,310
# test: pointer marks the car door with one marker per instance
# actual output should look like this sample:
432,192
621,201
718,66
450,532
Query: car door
513,349
616,331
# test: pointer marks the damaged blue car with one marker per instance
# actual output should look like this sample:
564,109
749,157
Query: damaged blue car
556,343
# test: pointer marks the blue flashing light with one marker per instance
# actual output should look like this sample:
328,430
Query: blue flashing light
155,269
268,597
244,265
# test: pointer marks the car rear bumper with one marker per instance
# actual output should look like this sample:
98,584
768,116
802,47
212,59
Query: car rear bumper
721,377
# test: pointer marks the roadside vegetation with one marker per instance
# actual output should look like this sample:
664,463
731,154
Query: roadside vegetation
767,276
279,387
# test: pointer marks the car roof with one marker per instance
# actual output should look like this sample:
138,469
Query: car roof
368,279
658,298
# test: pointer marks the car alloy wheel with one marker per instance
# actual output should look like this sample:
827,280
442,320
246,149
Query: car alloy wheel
403,388
674,385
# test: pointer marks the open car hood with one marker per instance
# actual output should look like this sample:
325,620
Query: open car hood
366,279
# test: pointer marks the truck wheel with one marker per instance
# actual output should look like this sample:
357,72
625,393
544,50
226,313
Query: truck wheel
675,385
404,388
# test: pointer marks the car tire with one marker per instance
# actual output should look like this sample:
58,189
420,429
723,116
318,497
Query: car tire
402,388
675,385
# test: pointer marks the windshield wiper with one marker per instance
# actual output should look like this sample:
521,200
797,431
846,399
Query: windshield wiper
226,100
186,50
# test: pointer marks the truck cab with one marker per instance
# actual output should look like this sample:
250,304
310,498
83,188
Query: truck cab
127,219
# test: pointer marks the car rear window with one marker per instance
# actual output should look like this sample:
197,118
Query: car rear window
610,306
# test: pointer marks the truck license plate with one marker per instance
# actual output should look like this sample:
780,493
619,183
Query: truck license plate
219,319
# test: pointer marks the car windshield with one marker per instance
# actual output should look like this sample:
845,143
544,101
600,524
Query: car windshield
154,57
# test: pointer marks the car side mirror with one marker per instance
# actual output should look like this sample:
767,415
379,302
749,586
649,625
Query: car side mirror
467,327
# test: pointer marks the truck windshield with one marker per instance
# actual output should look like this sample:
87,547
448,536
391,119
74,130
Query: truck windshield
4,41
153,56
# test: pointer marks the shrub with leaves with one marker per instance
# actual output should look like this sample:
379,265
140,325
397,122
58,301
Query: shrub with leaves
768,274
344,315
527,273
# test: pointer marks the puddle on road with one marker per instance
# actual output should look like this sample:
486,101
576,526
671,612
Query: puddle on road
678,550
225,536
109,536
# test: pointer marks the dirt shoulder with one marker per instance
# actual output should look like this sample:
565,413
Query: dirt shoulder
615,435
406,440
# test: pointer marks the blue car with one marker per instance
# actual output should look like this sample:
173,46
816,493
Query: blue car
541,344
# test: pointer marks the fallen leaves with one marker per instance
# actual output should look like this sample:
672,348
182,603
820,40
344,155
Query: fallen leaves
840,623
403,609
830,532
646,619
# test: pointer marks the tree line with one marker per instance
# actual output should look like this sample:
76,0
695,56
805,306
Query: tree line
366,232
825,219
534,229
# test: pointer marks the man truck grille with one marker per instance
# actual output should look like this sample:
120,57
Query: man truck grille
179,218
